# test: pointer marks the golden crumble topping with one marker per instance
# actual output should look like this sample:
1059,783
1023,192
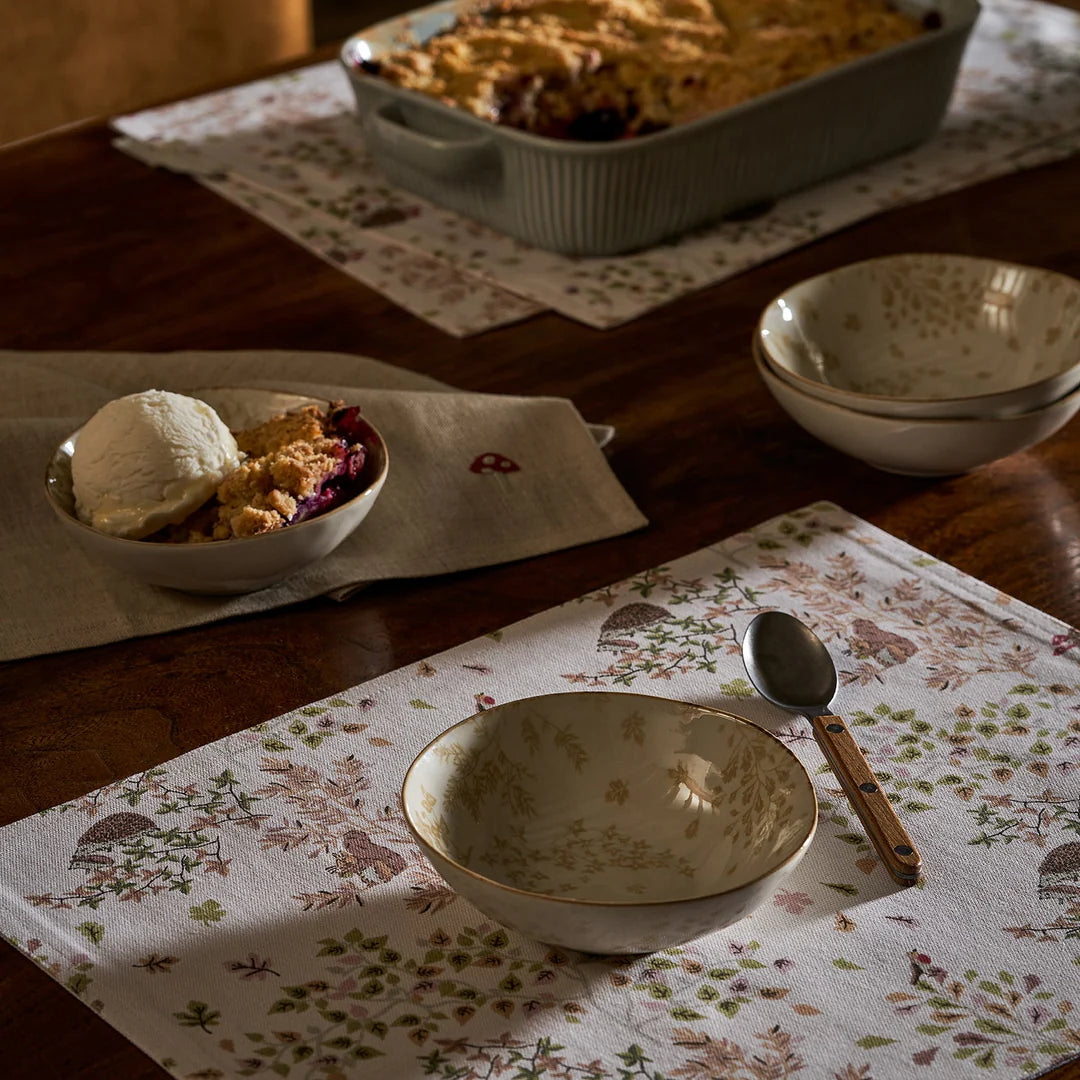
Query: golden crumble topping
289,460
602,69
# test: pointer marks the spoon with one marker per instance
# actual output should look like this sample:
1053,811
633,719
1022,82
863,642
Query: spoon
790,667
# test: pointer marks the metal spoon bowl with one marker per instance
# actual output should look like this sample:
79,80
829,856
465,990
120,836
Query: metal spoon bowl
790,667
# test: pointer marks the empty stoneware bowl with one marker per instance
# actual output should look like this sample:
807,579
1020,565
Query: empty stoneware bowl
938,336
608,822
917,446
225,566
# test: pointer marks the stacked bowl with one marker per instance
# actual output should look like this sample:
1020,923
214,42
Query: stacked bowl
928,365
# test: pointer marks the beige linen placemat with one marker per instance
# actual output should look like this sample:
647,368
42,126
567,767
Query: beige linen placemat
435,515
304,933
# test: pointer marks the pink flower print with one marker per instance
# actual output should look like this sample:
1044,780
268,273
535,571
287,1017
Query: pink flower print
1062,643
794,902
484,701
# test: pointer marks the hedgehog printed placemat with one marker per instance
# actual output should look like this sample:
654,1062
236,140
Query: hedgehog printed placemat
258,907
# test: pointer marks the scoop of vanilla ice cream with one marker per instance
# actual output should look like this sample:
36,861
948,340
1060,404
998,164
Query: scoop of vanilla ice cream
148,460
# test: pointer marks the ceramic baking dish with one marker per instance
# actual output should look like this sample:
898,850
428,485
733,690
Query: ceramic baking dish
611,197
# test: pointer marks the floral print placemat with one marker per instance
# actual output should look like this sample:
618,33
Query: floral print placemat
289,150
257,907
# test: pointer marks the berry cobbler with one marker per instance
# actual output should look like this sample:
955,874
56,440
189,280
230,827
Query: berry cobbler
294,466
597,70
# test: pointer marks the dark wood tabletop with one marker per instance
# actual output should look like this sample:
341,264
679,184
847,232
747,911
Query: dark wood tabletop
98,251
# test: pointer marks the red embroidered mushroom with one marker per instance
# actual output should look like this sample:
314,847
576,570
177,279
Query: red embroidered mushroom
493,463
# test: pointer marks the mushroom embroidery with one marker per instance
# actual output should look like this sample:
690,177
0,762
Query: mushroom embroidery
870,642
493,463
97,843
367,860
1059,874
625,621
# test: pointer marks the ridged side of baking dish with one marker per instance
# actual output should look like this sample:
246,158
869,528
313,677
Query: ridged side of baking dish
613,197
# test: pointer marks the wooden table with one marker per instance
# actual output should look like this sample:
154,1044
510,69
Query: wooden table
100,252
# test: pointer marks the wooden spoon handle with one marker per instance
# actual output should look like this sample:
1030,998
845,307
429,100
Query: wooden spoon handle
886,832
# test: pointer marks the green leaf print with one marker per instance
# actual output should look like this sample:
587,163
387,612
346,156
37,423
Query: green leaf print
651,640
207,913
840,887
92,931
1001,1018
683,1012
420,703
175,835
931,1029
872,1042
737,688
992,1027
847,965
409,997
631,1056
198,1014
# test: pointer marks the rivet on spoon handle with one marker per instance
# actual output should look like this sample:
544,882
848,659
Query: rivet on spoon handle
885,829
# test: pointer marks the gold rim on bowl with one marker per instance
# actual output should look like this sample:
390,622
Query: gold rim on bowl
801,382
516,891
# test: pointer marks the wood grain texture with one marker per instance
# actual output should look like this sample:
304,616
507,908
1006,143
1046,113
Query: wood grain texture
100,252
886,831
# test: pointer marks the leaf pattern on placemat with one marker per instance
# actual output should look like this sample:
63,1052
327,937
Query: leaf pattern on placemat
259,906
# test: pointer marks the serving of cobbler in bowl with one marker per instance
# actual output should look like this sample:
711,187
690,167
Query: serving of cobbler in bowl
222,491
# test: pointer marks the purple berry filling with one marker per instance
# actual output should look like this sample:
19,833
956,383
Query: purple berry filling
345,480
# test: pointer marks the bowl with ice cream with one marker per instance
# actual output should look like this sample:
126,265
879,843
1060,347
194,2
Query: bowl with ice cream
216,491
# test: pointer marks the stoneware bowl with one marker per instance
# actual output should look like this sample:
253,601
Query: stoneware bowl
938,336
224,566
608,822
914,445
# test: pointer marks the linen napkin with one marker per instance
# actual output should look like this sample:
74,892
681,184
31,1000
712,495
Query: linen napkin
437,513
288,149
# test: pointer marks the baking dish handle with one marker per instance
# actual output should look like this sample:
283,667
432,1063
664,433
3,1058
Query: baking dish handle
448,158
